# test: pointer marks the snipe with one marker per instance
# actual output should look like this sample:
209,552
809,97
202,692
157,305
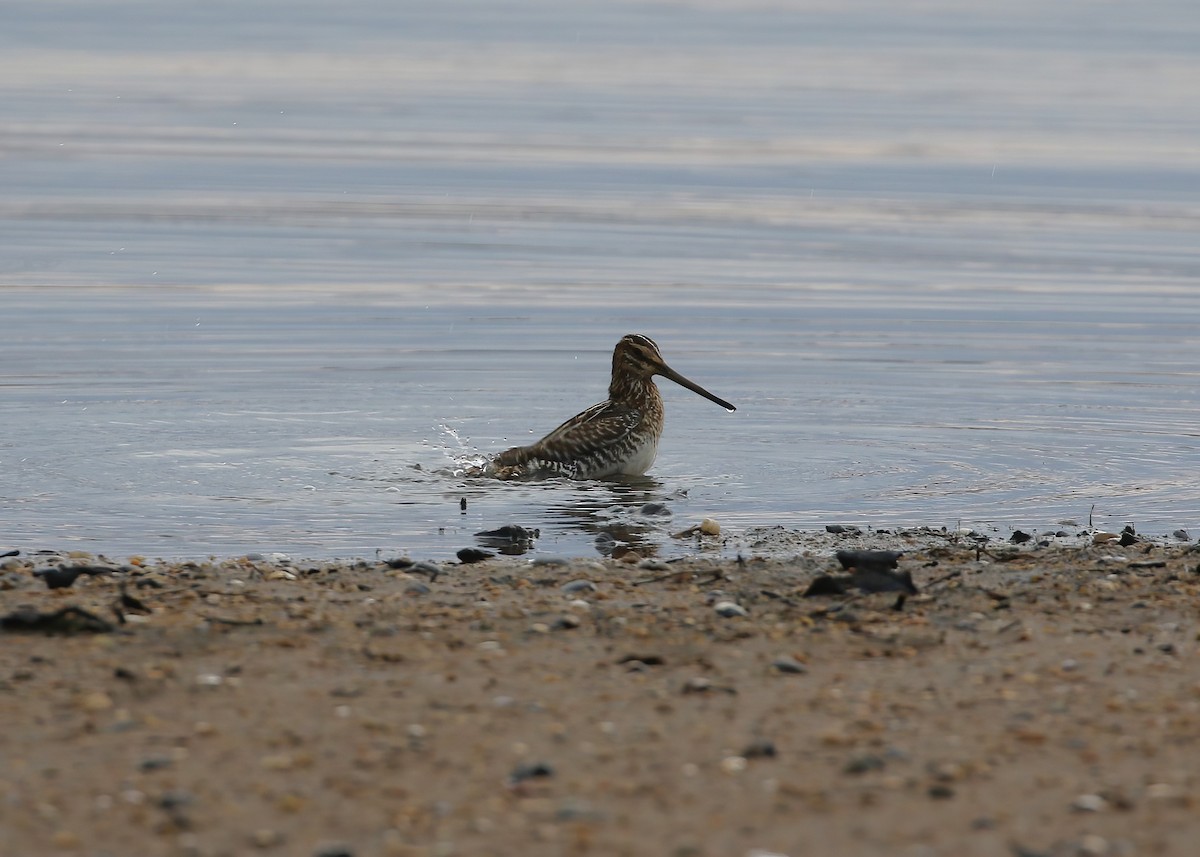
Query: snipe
618,437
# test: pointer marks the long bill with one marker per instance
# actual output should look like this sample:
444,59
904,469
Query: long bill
668,372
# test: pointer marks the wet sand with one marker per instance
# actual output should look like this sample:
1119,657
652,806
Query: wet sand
1030,701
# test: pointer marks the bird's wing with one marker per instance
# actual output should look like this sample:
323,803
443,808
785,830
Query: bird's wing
598,427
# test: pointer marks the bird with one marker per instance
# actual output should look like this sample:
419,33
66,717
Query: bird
617,437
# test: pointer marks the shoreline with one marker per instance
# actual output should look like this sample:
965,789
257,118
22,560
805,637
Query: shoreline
1039,698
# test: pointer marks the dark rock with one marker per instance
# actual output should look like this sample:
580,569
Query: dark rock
399,562
155,763
68,620
534,770
511,540
1019,537
790,666
868,560
469,555
130,604
646,660
760,748
429,569
869,581
828,585
941,791
64,576
655,510
9,553
864,764
573,587
508,534
839,529
880,580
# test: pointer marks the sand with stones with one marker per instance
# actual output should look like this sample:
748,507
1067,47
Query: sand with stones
1041,700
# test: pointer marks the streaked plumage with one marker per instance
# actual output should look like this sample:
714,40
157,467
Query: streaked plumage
614,438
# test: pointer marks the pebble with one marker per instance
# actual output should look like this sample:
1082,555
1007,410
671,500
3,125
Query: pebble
1089,803
280,574
760,748
265,837
729,609
1182,535
575,586
655,509
789,665
733,764
710,527
96,701
429,568
864,764
1167,793
534,770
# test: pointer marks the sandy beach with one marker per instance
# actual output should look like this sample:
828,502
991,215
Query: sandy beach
1039,699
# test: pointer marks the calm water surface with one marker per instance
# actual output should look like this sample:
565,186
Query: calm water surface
269,284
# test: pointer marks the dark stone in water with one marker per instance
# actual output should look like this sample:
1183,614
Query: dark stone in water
655,510
18,553
399,562
868,560
840,529
606,543
469,555
1019,537
511,539
1128,537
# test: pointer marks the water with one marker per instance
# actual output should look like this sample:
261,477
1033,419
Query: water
271,275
